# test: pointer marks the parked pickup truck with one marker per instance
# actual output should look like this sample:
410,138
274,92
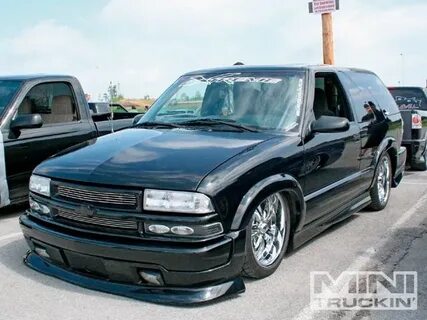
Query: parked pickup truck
182,205
412,102
40,116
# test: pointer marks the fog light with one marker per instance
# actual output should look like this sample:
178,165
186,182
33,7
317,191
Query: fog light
41,252
195,231
34,205
158,228
38,207
151,277
182,230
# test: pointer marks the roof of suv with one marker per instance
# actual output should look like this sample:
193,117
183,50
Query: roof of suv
249,68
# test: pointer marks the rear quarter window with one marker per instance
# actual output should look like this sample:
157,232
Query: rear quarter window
369,82
410,98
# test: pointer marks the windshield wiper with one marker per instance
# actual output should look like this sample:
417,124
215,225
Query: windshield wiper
214,122
155,124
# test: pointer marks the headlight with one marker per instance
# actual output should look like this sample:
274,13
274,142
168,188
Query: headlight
40,185
176,201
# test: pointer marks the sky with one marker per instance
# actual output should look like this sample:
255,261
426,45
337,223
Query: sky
144,45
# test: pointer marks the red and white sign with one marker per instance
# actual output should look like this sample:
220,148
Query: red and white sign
324,6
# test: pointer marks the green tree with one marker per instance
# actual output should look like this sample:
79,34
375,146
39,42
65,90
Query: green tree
197,96
184,97
113,93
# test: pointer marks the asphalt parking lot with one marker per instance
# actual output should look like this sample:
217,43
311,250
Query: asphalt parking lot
390,240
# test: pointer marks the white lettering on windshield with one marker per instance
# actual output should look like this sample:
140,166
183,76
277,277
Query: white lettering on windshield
230,78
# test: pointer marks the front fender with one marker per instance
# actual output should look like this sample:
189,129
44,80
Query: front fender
275,183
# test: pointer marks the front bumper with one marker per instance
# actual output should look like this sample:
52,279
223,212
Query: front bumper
189,273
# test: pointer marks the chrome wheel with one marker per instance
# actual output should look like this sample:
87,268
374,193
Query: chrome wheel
269,229
383,180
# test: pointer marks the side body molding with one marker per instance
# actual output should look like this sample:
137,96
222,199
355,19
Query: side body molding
275,183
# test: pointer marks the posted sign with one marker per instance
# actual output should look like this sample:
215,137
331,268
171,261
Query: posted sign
323,6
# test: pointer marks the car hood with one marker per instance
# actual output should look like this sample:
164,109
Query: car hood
174,159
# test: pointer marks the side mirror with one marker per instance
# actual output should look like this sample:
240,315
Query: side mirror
26,121
330,124
136,119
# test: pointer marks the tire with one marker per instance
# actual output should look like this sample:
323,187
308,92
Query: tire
380,191
271,233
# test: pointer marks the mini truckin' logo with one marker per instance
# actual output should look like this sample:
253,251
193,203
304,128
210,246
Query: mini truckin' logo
363,290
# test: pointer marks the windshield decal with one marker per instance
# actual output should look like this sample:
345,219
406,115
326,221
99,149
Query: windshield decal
408,103
4,190
230,78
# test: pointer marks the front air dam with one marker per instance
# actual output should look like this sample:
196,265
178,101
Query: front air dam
164,295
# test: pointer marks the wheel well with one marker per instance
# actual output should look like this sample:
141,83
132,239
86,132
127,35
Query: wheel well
295,208
393,157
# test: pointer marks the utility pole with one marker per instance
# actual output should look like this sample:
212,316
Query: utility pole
325,8
328,39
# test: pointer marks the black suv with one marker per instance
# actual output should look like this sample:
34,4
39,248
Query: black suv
228,170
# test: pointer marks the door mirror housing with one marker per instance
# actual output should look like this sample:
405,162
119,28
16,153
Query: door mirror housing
26,121
327,124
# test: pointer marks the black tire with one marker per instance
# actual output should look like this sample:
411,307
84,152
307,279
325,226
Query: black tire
377,202
252,268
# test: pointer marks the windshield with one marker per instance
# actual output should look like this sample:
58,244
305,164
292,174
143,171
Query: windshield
8,89
409,98
262,101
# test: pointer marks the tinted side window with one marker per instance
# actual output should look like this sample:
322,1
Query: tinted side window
53,101
371,83
359,97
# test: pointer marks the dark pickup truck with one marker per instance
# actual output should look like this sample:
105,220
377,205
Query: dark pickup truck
228,170
40,116
412,102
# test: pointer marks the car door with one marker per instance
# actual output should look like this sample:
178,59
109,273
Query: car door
62,127
377,115
331,159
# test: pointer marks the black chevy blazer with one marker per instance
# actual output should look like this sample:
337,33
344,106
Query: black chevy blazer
228,170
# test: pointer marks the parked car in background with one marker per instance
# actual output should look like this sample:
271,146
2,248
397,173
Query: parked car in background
182,205
118,108
40,116
412,102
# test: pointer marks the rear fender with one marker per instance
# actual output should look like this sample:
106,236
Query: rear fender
387,145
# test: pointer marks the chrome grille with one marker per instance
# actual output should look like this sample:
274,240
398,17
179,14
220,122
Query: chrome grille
99,221
100,197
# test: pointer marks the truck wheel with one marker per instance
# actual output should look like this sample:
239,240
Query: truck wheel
380,191
267,236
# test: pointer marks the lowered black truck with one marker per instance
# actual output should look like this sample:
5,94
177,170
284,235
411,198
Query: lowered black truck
412,102
41,115
197,194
